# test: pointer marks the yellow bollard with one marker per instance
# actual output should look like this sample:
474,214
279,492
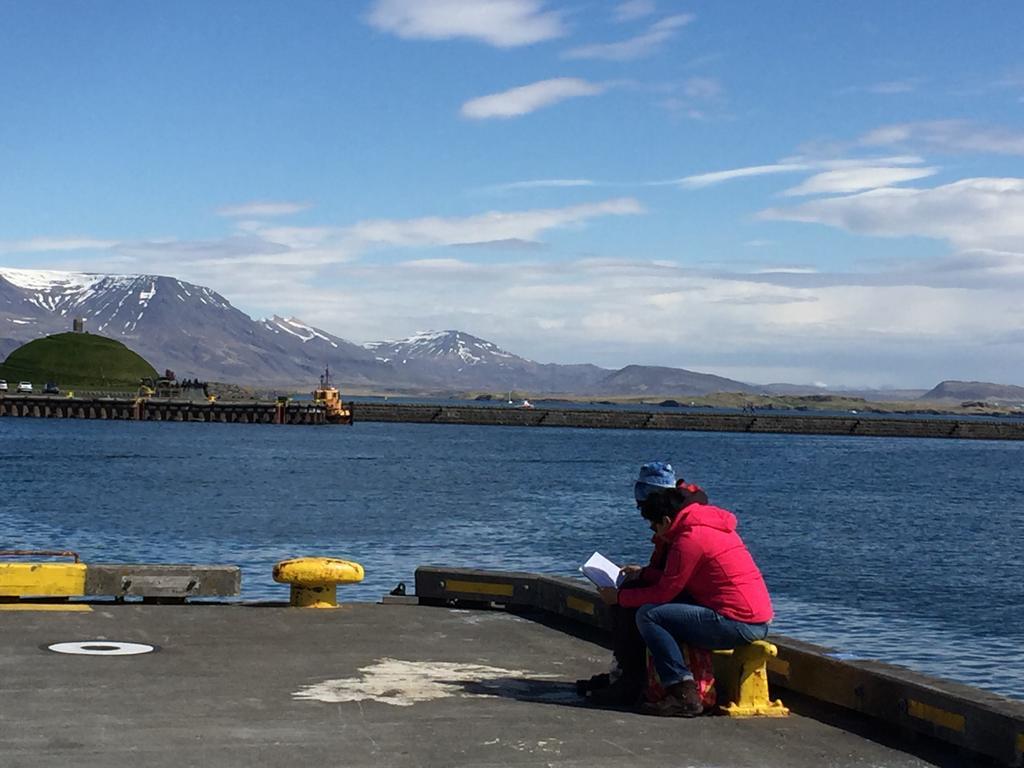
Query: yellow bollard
314,580
741,677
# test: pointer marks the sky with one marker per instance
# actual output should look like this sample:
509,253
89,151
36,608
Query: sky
801,192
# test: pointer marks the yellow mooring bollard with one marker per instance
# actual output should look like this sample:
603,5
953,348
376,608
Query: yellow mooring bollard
314,580
742,679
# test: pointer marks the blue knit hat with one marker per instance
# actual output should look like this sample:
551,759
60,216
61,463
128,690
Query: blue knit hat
654,476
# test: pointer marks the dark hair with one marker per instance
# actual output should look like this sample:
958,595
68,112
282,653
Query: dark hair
670,502
661,504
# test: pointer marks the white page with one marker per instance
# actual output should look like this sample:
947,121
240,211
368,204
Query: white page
602,571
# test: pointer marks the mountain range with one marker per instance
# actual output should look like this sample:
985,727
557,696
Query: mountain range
196,332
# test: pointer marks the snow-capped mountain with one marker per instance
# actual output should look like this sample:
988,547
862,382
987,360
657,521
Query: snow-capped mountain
196,332
450,356
453,347
188,328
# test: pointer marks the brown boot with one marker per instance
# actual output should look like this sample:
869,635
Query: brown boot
681,700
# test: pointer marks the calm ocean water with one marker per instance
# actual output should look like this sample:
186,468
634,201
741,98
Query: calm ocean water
903,550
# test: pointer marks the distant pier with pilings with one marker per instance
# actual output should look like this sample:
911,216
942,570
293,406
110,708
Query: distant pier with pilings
159,409
316,413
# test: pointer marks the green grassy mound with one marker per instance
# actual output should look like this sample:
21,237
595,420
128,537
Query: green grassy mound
76,360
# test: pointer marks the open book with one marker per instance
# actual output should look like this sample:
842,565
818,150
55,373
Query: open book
602,571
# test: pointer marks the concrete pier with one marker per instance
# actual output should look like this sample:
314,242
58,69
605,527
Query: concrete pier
362,685
154,409
804,424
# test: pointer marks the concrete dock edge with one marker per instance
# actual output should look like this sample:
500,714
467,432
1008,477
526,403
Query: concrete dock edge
969,718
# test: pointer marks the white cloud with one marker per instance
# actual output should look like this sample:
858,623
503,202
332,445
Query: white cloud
789,165
541,184
914,325
886,88
702,87
54,244
633,9
528,98
948,136
261,208
717,177
856,179
861,162
865,329
635,47
492,226
501,23
971,213
448,266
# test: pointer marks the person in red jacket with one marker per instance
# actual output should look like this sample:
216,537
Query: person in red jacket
625,685
710,593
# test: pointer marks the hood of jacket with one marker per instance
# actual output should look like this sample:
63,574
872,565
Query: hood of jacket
696,515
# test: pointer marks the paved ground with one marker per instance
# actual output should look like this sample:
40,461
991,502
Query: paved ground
365,685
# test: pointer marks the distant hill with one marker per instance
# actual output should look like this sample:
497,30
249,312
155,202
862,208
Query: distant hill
656,380
76,359
962,391
885,395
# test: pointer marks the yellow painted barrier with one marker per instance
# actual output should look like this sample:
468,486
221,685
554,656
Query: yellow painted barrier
581,606
479,588
314,580
952,720
54,607
42,579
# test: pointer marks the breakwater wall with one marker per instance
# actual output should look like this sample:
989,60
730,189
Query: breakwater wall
143,409
704,422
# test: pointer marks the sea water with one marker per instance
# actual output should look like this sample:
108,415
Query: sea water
904,550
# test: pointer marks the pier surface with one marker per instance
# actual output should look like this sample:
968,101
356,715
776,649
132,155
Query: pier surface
363,685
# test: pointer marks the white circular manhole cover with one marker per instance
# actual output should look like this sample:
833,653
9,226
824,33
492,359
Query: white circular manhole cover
102,648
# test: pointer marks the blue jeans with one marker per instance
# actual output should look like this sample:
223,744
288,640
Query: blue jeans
664,626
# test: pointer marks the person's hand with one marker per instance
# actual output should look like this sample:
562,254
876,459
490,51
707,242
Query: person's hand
610,595
632,571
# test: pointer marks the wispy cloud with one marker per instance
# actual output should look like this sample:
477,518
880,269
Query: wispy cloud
717,177
516,102
887,87
637,47
510,244
261,209
633,9
541,184
856,179
492,226
971,213
501,23
53,244
702,87
948,136
802,164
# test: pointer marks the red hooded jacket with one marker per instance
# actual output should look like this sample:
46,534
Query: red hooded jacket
708,561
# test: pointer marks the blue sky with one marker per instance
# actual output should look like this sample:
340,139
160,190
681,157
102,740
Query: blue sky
788,191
